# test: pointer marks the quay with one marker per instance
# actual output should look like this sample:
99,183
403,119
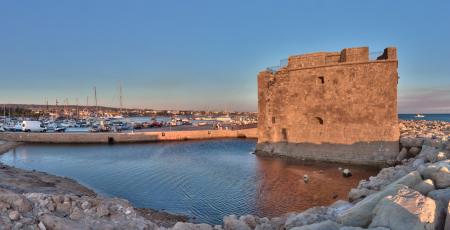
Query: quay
85,138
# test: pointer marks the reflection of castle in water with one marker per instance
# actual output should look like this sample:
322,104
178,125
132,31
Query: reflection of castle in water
281,187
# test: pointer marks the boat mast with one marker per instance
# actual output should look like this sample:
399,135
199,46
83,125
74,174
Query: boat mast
120,96
78,112
95,97
4,114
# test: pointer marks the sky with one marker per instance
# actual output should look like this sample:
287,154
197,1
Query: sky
206,54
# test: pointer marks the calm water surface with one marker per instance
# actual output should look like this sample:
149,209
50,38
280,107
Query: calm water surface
201,179
428,117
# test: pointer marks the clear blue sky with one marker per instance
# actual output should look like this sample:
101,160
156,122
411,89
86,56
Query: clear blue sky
205,54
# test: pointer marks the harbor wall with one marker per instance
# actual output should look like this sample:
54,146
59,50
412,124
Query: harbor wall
74,138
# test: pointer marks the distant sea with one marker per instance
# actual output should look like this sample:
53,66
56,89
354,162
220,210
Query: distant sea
428,117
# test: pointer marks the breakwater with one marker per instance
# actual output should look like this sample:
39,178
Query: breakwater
84,138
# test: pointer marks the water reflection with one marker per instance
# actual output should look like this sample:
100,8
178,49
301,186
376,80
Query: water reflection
201,179
281,187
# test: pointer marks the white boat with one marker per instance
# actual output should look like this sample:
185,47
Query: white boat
419,115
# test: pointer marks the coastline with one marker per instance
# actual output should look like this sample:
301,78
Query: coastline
27,190
417,187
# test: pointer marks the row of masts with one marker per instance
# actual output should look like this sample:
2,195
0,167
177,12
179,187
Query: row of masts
66,101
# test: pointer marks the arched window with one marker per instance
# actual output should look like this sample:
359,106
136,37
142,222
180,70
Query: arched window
318,120
321,80
284,134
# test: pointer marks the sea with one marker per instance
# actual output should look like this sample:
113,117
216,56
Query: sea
427,117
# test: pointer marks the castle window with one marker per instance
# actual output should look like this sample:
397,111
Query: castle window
273,120
318,120
321,80
284,134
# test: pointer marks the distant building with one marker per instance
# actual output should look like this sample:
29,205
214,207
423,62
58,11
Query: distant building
332,106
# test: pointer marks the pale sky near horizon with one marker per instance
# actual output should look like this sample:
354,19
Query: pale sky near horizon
204,54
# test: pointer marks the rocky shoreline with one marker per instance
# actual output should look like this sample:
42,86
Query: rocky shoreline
412,194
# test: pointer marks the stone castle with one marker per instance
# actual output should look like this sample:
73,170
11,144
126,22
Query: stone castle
331,106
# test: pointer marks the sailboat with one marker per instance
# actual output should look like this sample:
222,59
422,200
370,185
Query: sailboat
419,115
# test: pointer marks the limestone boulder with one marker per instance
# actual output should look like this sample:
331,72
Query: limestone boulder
411,142
418,162
249,220
408,209
436,156
191,226
385,177
447,219
16,201
413,151
425,187
434,142
14,215
411,179
324,225
427,170
426,152
54,222
442,198
360,215
231,222
310,216
359,228
317,214
357,194
402,154
441,178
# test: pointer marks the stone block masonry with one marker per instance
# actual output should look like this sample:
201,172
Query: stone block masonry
331,106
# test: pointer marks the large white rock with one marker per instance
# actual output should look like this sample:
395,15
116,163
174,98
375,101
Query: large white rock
325,225
425,186
414,151
411,142
411,179
360,215
191,226
17,201
231,222
359,193
310,216
447,219
402,154
427,170
426,150
406,210
359,228
441,178
385,177
436,156
442,198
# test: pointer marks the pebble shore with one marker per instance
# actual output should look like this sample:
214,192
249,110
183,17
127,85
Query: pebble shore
413,193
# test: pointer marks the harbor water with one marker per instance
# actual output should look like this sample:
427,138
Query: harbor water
204,180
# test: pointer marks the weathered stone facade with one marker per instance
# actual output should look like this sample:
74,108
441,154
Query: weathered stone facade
333,106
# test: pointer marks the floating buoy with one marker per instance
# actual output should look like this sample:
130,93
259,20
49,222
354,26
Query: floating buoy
346,173
305,178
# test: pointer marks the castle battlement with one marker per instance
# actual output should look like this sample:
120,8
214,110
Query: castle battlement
345,56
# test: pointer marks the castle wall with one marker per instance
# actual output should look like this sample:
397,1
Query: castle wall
322,104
